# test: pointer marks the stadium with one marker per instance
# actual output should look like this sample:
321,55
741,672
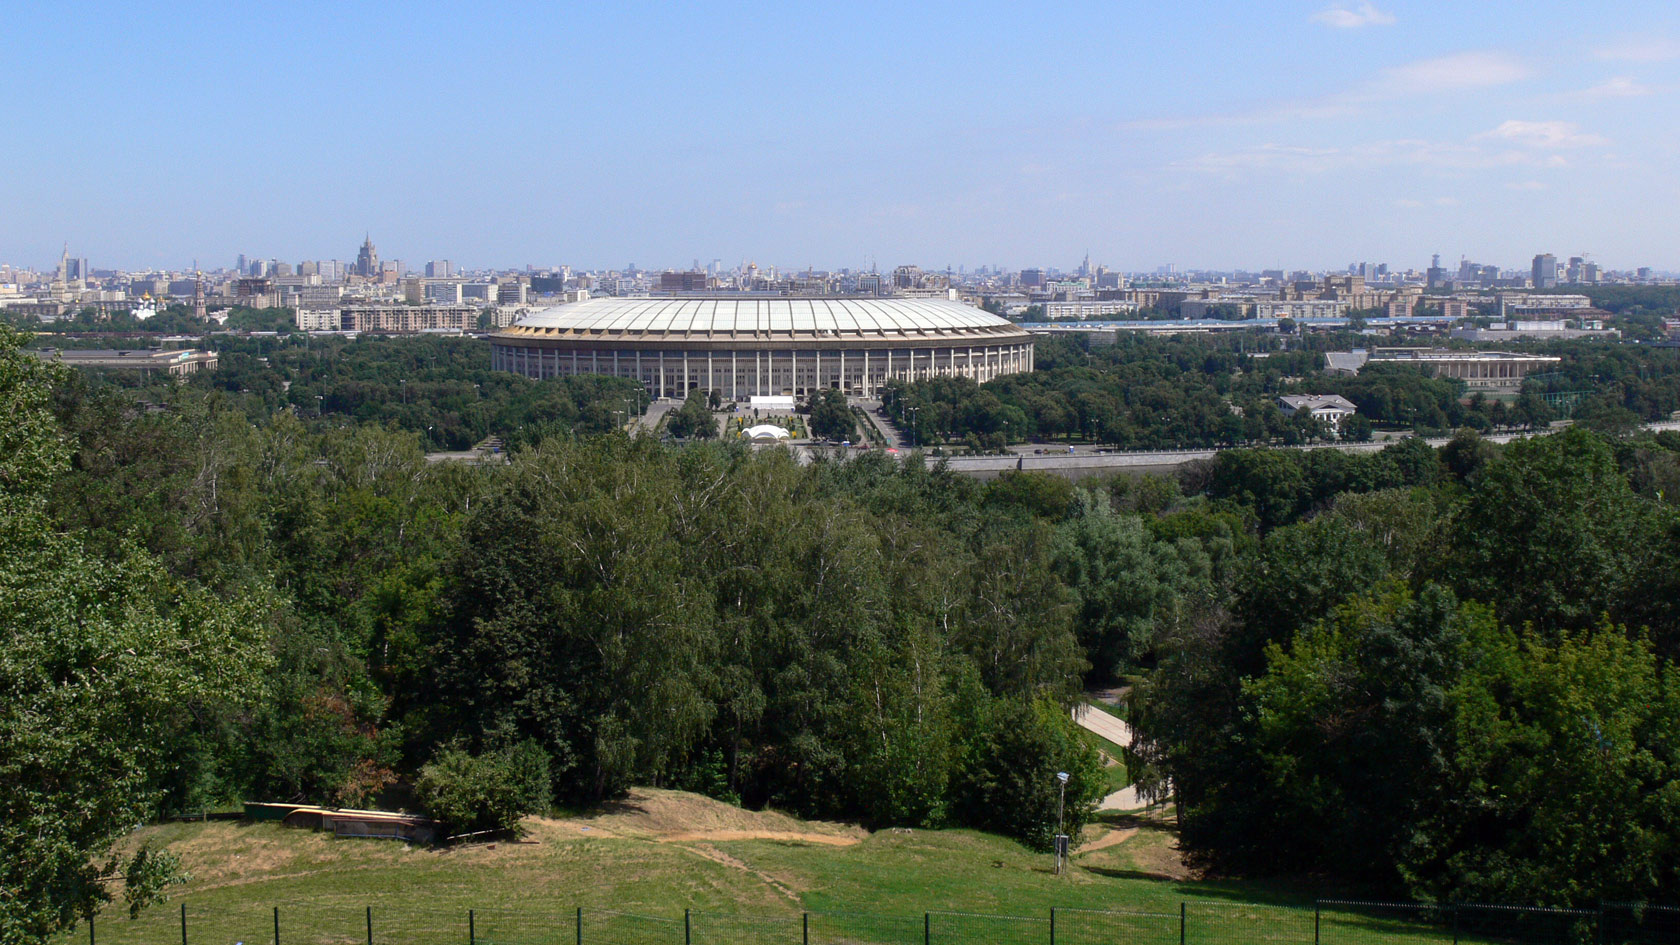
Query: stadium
744,346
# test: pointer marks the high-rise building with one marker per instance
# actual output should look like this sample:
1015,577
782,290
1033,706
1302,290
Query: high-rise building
1437,275
1544,273
367,259
439,269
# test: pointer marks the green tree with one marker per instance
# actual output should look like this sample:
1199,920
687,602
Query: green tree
106,664
1006,773
693,420
831,418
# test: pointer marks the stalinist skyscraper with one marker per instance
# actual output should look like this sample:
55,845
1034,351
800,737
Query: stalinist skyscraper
367,261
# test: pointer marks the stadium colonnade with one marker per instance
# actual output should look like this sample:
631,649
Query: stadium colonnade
745,346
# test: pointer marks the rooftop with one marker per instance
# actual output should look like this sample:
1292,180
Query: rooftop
818,317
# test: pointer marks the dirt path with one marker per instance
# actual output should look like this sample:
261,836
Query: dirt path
706,851
1110,838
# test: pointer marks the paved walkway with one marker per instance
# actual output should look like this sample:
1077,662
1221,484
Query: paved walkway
1117,731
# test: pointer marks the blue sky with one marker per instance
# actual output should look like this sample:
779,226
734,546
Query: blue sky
1202,134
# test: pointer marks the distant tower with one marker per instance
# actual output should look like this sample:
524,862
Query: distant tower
64,264
198,296
367,260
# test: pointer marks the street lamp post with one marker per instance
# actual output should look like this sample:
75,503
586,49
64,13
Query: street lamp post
1061,838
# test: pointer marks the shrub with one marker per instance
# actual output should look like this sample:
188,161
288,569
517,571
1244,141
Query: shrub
489,792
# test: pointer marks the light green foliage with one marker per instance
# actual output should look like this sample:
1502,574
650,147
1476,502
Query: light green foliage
106,666
1129,585
488,792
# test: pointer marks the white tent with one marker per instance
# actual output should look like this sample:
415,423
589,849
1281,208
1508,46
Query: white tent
765,431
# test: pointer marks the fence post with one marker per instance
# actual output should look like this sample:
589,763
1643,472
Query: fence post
688,937
276,925
370,924
1052,925
1598,924
183,923
805,928
472,928
1181,915
1316,910
90,929
1455,923
579,925
927,928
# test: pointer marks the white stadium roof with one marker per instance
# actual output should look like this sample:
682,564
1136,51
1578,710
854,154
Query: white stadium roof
760,317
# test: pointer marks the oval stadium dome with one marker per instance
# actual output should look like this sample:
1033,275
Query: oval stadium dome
747,346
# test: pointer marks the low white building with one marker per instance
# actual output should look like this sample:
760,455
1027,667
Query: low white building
1301,308
1329,409
309,319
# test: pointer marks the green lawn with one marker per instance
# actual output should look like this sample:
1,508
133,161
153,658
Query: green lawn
743,887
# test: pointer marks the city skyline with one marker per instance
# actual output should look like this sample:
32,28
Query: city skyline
1302,135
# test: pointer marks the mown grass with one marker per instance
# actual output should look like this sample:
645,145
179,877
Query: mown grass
633,890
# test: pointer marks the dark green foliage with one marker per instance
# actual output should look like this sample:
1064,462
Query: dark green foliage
1007,771
1443,672
830,417
693,420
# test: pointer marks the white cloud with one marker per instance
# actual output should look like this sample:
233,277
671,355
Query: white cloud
1547,135
1640,49
1467,70
1460,71
1342,18
1621,86
1411,152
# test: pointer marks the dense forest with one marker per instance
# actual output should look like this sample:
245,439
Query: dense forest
1436,672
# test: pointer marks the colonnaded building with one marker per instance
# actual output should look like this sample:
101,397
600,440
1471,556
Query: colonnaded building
745,346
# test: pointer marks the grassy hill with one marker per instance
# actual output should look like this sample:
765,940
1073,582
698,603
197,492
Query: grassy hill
636,865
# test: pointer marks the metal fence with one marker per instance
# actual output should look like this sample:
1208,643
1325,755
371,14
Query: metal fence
1201,922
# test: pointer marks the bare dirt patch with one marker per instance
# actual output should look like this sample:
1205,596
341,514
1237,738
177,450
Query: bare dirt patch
679,817
1109,837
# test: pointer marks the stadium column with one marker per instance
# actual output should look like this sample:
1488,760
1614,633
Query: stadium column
734,377
709,384
868,382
